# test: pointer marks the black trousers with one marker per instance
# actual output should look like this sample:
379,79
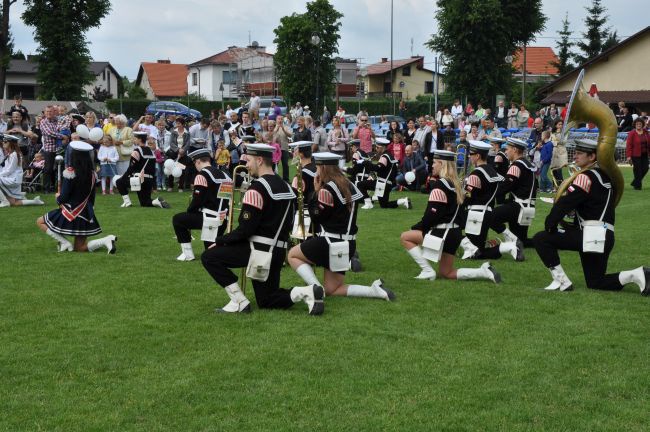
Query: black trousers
594,265
640,169
285,165
185,222
478,240
509,213
219,260
144,194
384,202
49,171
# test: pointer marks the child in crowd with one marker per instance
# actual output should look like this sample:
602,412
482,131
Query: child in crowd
108,158
546,154
36,166
222,156
396,148
277,155
160,160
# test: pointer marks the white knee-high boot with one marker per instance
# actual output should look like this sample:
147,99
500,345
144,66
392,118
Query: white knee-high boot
509,236
312,295
33,202
486,271
560,280
306,272
238,301
367,204
64,244
376,290
108,242
515,249
126,201
468,247
187,254
427,271
639,276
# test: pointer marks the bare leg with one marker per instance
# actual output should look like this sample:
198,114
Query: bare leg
411,239
335,284
81,244
40,223
296,258
446,266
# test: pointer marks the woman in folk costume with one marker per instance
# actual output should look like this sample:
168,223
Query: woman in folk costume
76,214
11,175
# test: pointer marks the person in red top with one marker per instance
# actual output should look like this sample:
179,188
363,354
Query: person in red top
636,151
364,134
396,148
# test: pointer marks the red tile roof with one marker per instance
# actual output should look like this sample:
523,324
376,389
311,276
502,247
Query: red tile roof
609,97
538,61
384,67
166,79
231,55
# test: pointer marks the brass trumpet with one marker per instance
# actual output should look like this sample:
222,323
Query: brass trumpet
240,170
299,232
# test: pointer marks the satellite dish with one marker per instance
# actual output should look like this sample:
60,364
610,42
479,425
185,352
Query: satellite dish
364,72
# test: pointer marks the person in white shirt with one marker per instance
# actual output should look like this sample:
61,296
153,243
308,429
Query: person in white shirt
254,106
456,112
501,115
146,124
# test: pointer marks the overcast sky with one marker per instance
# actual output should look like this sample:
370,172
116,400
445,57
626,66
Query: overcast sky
188,30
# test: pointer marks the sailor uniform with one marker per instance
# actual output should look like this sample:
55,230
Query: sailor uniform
481,187
267,209
386,170
592,197
207,185
361,166
142,161
336,218
75,215
501,164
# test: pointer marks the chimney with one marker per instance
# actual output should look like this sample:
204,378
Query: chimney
384,59
164,61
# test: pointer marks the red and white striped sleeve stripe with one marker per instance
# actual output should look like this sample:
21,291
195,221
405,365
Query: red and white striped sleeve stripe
438,195
199,180
474,181
253,198
514,171
325,197
136,155
583,182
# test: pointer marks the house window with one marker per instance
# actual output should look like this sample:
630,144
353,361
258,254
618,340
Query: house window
104,75
428,87
406,71
229,77
195,78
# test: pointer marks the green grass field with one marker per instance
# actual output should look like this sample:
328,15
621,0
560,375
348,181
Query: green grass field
130,342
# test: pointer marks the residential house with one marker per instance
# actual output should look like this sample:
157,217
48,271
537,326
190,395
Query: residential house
21,78
539,64
409,79
620,74
162,80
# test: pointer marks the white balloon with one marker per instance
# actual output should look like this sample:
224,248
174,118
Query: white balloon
167,171
115,179
83,131
177,172
169,163
409,177
96,134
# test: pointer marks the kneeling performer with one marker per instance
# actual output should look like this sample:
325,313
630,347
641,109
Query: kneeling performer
208,209
259,242
140,175
334,208
591,196
386,171
437,236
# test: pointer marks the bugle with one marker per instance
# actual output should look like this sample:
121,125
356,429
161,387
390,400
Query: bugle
240,170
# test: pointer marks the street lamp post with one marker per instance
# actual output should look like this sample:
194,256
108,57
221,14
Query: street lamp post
315,40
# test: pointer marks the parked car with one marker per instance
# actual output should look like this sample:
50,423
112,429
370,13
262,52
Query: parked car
376,120
167,107
265,105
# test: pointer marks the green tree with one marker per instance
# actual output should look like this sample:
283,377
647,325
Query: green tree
136,92
6,42
305,57
484,33
612,39
64,57
563,46
596,34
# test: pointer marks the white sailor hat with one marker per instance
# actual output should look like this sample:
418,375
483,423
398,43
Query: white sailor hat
354,142
586,145
479,146
248,138
494,139
81,146
301,144
7,137
263,150
445,155
141,134
200,153
382,141
326,158
516,142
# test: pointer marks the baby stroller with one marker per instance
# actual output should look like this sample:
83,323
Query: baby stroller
33,177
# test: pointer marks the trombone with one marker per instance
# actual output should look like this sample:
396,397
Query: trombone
239,171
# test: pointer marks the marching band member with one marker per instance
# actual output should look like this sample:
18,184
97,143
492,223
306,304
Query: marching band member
519,210
76,214
386,171
500,162
334,208
482,186
441,221
302,150
207,210
259,243
591,196
11,174
360,169
140,175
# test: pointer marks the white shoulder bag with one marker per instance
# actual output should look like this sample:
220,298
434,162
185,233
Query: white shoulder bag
339,252
259,262
135,180
475,217
432,246
527,211
594,232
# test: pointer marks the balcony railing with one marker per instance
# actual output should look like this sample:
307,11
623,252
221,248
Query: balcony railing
388,95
